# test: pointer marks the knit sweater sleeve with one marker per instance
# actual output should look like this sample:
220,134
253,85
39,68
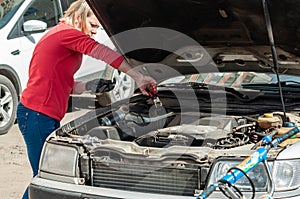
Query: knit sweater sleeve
106,54
80,42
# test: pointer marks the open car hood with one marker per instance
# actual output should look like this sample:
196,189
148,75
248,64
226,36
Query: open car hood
233,34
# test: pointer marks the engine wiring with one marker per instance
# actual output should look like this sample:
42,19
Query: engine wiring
241,135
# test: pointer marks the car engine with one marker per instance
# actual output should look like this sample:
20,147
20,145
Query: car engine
145,147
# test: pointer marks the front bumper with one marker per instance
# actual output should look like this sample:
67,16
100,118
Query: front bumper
49,189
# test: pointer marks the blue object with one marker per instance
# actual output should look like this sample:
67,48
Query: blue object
252,161
248,164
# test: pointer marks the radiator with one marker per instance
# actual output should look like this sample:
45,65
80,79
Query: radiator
169,179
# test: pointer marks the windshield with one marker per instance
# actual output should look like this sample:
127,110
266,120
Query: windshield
235,79
7,9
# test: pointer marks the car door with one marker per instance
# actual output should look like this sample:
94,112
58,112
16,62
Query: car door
17,46
48,11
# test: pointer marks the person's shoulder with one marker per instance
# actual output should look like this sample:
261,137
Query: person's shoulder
65,30
63,26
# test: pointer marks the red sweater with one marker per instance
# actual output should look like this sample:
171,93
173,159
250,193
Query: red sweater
55,60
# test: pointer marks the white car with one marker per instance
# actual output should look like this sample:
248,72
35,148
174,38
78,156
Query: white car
22,24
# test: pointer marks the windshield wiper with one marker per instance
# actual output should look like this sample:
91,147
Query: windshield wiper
204,86
287,86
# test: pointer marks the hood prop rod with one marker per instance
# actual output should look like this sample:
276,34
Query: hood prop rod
274,54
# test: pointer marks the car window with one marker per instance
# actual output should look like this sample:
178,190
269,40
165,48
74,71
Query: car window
7,10
44,10
233,79
48,11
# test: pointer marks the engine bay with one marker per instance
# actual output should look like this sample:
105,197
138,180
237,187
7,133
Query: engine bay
150,124
145,139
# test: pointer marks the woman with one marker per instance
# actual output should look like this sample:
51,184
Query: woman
56,58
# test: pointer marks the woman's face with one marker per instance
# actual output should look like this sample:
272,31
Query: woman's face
92,24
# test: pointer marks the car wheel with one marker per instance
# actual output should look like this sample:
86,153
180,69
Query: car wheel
124,87
8,104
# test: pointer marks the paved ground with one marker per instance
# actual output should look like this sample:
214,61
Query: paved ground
15,171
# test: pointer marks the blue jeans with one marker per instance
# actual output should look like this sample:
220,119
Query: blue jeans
35,128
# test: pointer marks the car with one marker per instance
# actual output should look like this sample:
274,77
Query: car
223,124
22,24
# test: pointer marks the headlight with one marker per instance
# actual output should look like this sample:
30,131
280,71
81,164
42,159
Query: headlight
258,175
286,174
59,160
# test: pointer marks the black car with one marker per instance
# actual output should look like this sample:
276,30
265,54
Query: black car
224,123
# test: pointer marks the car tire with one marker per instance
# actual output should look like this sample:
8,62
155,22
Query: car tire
124,87
8,104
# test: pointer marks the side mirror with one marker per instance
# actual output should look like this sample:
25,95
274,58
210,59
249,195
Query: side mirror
34,26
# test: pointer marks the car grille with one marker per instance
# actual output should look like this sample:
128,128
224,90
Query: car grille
144,178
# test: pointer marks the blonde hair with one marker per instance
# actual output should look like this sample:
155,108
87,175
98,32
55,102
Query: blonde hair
78,8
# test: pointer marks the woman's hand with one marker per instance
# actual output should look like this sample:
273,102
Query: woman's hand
147,85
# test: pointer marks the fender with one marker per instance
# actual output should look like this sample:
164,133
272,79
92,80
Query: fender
12,75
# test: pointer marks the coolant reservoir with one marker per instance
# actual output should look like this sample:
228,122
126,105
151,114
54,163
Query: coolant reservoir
268,120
